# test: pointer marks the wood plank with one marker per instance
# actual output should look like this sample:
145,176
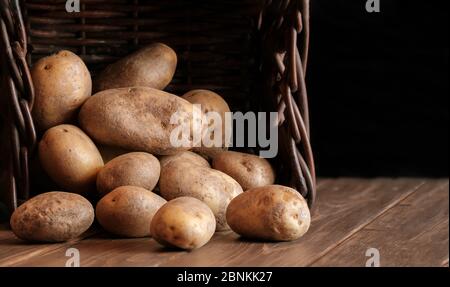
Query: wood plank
13,250
344,206
413,233
101,250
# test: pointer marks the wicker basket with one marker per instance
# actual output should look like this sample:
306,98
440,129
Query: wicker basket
251,52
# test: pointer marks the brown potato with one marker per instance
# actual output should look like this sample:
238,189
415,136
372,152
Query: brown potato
70,158
52,217
137,119
152,66
249,170
210,102
271,212
184,222
62,83
128,211
186,156
137,169
213,187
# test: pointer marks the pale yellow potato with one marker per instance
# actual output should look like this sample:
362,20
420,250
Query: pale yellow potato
274,212
52,217
138,119
127,211
186,156
152,66
211,102
213,187
62,83
184,222
70,158
136,168
249,170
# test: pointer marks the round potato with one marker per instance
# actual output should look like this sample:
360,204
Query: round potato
128,211
62,83
273,212
139,119
213,187
152,66
52,217
136,169
249,170
185,222
211,103
186,156
70,158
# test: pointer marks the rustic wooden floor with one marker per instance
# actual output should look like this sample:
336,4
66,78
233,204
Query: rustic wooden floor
407,220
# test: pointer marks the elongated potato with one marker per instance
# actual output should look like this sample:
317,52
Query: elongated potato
70,158
52,217
271,212
62,83
136,169
248,170
213,187
138,119
211,103
128,211
152,66
184,222
186,156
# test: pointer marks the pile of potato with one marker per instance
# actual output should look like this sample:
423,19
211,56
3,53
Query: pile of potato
116,145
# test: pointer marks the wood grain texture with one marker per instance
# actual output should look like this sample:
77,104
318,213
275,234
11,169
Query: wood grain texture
413,233
13,250
344,206
362,211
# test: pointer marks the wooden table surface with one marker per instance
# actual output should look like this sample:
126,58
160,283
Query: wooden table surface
406,220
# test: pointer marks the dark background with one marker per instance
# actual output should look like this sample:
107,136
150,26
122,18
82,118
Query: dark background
378,86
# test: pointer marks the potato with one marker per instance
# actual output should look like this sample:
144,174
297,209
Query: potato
213,187
137,119
62,83
128,211
271,212
186,156
136,169
248,170
152,66
184,222
210,102
52,217
70,158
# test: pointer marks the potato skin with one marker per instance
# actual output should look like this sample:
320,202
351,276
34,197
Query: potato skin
274,212
184,222
213,187
62,84
136,169
186,156
210,102
70,158
136,119
152,66
128,211
249,170
52,217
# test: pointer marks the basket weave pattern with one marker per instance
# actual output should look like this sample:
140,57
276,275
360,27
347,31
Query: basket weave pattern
251,52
